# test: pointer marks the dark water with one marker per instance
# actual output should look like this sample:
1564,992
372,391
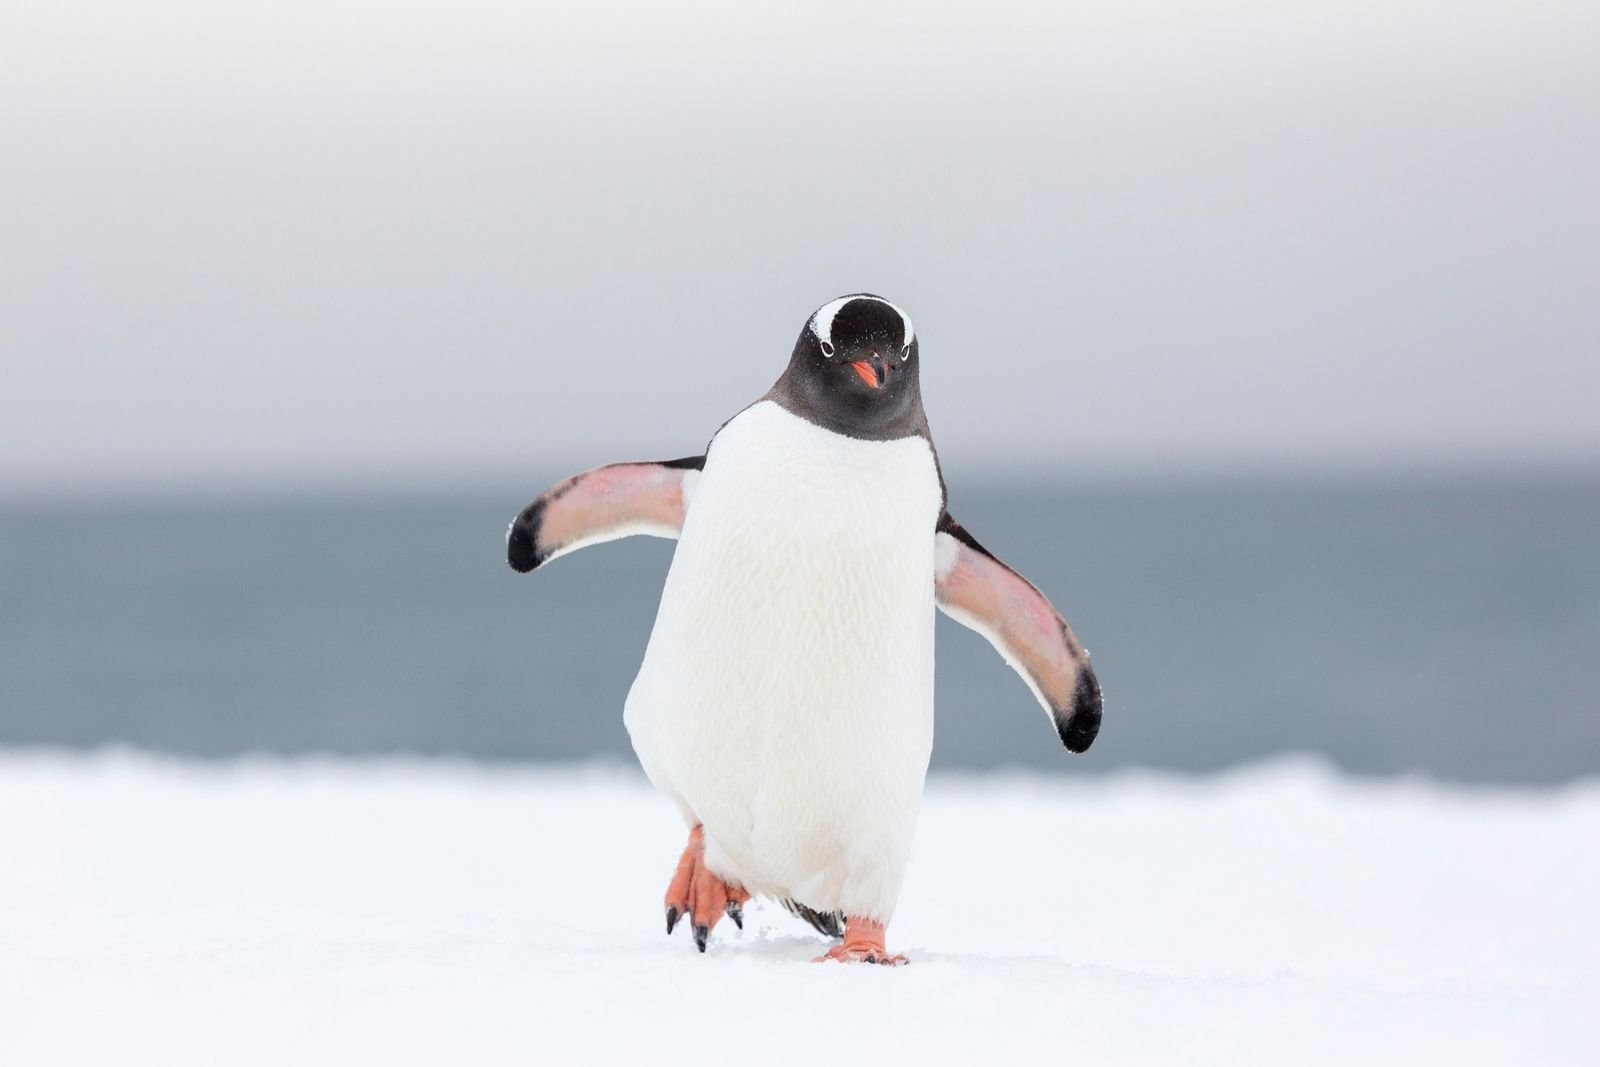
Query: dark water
1451,630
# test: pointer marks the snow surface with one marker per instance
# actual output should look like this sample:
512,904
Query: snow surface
322,911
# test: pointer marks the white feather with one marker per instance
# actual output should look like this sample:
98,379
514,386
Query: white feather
786,696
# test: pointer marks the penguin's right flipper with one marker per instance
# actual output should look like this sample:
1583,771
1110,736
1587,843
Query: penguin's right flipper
600,505
978,591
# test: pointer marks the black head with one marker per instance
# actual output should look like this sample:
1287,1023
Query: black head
854,370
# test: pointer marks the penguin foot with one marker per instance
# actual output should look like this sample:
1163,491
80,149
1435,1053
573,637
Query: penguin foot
863,943
697,894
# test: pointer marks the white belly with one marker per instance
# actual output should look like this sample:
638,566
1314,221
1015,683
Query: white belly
786,696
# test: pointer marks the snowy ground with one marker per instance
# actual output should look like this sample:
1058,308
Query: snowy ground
334,912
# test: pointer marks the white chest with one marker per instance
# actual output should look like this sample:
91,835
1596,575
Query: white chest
828,537
801,591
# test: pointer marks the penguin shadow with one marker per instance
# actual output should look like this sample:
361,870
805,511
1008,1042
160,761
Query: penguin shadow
771,945
771,935
778,941
772,942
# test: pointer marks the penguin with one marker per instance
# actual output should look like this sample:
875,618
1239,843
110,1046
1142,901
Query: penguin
785,699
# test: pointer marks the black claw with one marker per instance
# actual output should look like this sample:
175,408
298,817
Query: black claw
700,935
735,913
672,919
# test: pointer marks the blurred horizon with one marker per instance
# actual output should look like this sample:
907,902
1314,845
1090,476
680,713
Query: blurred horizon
1019,474
1392,628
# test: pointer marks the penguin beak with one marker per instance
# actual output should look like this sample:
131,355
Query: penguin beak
873,370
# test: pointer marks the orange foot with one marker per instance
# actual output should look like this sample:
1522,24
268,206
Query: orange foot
863,943
696,892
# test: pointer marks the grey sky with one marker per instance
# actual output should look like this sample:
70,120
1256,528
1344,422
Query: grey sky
286,240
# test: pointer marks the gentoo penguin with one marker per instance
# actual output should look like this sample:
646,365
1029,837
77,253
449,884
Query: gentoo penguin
785,702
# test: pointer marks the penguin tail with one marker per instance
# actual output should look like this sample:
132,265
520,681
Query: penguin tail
826,923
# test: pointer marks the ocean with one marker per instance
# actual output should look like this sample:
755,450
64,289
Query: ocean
1448,630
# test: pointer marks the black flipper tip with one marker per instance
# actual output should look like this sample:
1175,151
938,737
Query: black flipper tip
1081,725
522,540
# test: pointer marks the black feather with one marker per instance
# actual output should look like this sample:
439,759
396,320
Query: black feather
826,923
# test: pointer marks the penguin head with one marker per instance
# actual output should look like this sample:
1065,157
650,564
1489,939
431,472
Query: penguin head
855,367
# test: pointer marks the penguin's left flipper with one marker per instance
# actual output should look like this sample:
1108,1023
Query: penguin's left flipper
978,591
603,504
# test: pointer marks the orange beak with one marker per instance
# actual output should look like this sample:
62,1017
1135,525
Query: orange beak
868,373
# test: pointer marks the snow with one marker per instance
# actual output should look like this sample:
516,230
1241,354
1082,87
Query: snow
395,912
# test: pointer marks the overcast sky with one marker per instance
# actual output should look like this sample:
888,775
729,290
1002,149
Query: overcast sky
312,240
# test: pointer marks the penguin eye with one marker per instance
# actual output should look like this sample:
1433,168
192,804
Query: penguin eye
827,350
905,353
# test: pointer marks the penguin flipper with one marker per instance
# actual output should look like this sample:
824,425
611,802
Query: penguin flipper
982,593
600,505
